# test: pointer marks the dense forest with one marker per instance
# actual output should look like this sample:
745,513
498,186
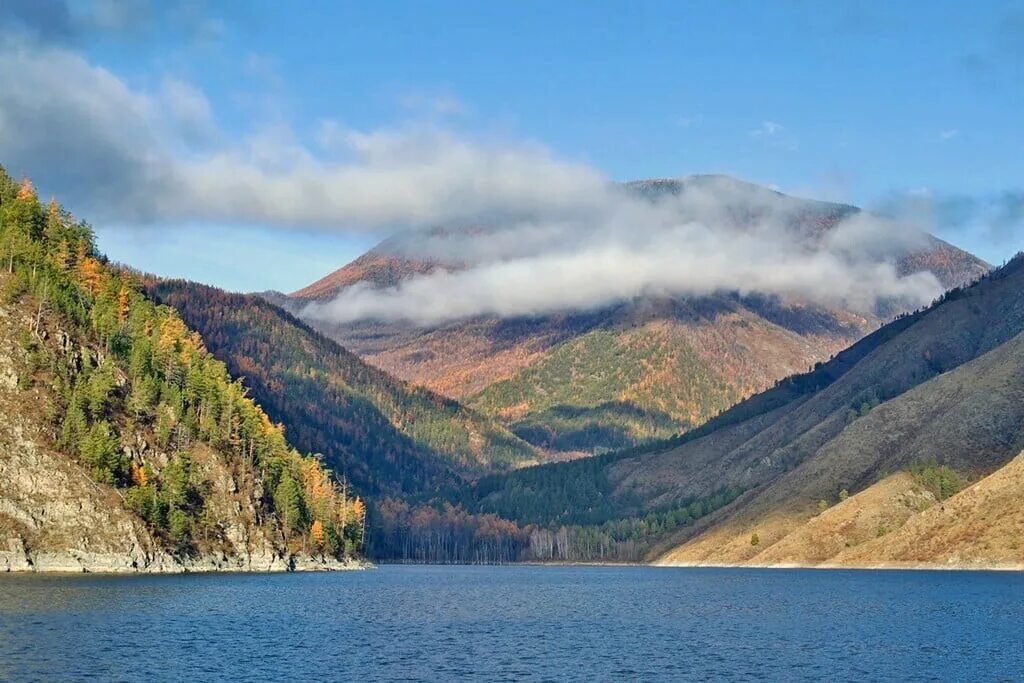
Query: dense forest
131,380
384,436
447,533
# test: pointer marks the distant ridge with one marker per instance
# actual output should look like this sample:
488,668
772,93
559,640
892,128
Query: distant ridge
640,370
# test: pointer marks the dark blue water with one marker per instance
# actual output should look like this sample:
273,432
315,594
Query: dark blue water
511,623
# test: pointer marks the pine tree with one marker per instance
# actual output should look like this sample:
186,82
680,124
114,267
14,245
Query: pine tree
288,503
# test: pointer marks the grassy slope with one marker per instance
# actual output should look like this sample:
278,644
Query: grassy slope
970,417
676,371
897,523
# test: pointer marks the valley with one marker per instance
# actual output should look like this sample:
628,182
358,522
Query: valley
676,431
584,382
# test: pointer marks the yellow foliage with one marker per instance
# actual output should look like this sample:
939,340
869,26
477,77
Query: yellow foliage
53,211
358,511
122,304
138,475
317,532
91,272
25,190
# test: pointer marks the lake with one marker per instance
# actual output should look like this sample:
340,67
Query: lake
516,622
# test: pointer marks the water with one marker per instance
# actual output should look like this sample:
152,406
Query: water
513,623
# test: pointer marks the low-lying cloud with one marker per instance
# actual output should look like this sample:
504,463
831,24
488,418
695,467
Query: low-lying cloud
716,235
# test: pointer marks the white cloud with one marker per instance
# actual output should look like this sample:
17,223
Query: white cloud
716,235
127,165
768,129
551,234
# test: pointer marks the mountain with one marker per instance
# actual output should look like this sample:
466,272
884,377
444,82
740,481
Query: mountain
383,435
586,382
862,461
124,445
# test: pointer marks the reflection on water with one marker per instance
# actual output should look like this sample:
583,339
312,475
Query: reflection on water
516,622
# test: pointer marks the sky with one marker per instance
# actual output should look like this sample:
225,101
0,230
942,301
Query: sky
261,145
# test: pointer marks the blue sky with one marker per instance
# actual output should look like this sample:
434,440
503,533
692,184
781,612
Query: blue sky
855,102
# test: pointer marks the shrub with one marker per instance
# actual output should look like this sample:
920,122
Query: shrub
941,480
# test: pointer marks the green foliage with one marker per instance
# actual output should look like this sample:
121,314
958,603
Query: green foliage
99,450
605,371
609,426
755,540
119,364
941,480
383,435
289,504
450,533
99,389
179,525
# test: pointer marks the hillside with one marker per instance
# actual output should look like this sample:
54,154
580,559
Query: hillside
639,370
383,435
901,522
944,386
124,445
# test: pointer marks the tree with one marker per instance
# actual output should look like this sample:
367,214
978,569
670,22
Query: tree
99,450
99,388
177,480
317,532
288,503
143,395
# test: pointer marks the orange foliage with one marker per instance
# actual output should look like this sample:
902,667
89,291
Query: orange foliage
138,475
317,532
25,190
358,510
122,304
91,272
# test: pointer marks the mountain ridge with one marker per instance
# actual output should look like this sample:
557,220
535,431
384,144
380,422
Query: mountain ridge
943,385
736,345
403,435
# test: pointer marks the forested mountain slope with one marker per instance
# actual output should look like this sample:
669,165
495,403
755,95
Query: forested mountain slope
941,387
638,370
385,436
124,445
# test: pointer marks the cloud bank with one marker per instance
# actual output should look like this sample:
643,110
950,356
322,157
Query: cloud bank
531,233
715,235
131,156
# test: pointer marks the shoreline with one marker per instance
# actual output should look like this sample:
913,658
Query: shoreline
916,566
881,566
114,565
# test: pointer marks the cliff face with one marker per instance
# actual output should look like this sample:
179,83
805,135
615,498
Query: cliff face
55,517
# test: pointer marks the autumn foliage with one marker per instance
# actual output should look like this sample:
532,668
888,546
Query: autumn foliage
140,375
